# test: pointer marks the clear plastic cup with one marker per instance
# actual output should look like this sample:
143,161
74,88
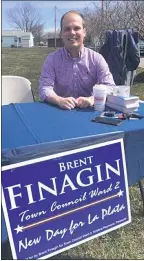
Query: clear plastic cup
100,94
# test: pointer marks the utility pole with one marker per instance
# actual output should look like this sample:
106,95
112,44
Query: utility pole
55,25
48,40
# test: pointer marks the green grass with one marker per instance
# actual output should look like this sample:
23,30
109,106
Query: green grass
25,62
124,243
138,87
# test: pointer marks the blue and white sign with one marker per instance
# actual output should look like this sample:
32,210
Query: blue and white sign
57,202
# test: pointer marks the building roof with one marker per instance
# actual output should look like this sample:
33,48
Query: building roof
18,33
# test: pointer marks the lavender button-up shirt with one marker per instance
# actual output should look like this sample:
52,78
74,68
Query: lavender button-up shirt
74,77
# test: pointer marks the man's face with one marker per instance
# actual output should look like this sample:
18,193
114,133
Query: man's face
72,32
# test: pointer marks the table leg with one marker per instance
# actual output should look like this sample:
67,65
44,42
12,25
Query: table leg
142,192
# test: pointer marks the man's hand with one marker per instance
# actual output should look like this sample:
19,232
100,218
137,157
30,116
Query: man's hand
70,102
84,102
67,103
64,103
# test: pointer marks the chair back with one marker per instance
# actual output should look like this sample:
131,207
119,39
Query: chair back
16,89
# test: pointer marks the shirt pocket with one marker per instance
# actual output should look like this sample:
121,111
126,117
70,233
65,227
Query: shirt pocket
87,76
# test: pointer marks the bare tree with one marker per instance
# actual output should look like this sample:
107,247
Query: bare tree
114,15
138,17
38,33
24,16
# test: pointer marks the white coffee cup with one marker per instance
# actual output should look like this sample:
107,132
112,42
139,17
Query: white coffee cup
122,91
100,94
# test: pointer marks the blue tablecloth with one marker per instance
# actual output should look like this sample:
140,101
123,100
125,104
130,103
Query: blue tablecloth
32,130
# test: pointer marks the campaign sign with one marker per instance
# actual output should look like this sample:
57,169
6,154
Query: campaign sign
54,203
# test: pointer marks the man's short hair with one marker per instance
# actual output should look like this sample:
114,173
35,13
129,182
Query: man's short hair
72,12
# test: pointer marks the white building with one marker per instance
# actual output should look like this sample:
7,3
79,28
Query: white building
17,38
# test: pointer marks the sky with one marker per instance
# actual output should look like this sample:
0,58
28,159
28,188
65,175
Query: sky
46,9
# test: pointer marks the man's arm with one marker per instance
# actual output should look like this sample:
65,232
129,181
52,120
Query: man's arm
46,85
47,78
104,75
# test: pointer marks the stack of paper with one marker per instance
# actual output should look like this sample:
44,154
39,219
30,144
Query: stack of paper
128,104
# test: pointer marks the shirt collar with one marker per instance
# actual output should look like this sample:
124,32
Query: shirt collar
81,52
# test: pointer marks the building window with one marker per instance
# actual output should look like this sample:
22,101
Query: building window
19,39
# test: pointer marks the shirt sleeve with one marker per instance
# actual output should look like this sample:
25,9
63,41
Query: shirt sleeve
47,78
104,75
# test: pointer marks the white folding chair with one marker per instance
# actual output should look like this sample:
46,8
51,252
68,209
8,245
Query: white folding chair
16,89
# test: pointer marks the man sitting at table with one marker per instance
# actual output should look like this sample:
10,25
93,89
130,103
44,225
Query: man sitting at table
69,74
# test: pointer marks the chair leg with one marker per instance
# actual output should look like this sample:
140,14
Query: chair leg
141,191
